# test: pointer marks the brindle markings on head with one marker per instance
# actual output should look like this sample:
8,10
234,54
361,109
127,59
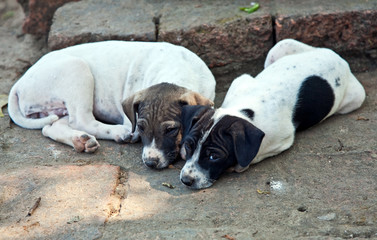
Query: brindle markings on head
165,99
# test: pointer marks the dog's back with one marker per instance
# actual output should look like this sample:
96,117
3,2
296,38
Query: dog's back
145,60
295,92
119,69
298,80
75,94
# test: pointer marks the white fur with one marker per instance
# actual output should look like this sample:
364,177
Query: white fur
152,152
96,78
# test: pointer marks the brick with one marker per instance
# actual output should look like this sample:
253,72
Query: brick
345,31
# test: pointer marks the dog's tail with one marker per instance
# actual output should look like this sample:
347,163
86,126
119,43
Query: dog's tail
18,118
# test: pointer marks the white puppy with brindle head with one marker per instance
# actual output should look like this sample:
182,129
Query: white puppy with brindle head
113,90
299,87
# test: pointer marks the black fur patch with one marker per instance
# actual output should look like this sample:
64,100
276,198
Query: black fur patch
314,102
196,120
232,140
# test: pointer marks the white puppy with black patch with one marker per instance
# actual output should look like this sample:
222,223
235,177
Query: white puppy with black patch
299,87
104,90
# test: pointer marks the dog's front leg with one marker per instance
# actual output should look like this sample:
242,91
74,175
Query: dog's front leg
60,131
118,133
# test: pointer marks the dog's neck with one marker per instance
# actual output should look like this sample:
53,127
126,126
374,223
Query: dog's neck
221,112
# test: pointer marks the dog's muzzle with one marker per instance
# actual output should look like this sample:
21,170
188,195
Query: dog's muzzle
151,162
195,180
196,183
161,161
187,180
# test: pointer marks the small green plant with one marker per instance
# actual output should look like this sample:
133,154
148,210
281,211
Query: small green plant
253,8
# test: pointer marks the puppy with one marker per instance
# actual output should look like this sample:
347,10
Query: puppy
97,90
299,87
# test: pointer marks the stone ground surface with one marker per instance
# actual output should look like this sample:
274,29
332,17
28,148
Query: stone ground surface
324,187
68,194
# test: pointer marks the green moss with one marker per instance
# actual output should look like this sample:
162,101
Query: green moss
228,19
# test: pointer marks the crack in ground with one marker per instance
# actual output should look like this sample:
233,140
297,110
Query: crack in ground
156,21
273,22
119,193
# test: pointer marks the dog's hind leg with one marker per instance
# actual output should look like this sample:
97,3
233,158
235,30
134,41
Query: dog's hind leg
60,131
283,48
81,117
79,87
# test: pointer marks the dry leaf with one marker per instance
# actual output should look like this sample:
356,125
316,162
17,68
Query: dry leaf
228,237
262,192
168,185
171,166
360,118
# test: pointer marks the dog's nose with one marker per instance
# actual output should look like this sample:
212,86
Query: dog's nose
187,180
151,162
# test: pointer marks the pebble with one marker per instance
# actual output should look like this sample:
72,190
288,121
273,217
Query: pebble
327,217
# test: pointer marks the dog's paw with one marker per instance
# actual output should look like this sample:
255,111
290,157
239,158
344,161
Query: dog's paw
123,134
85,143
126,138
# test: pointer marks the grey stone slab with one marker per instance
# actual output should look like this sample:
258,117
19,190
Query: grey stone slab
218,31
226,38
94,20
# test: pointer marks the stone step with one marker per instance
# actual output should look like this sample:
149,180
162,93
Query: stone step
225,37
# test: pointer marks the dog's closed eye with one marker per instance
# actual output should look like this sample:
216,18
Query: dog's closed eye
140,127
171,131
170,128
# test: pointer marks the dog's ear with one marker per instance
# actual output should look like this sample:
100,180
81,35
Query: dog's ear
246,141
190,115
131,106
194,98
